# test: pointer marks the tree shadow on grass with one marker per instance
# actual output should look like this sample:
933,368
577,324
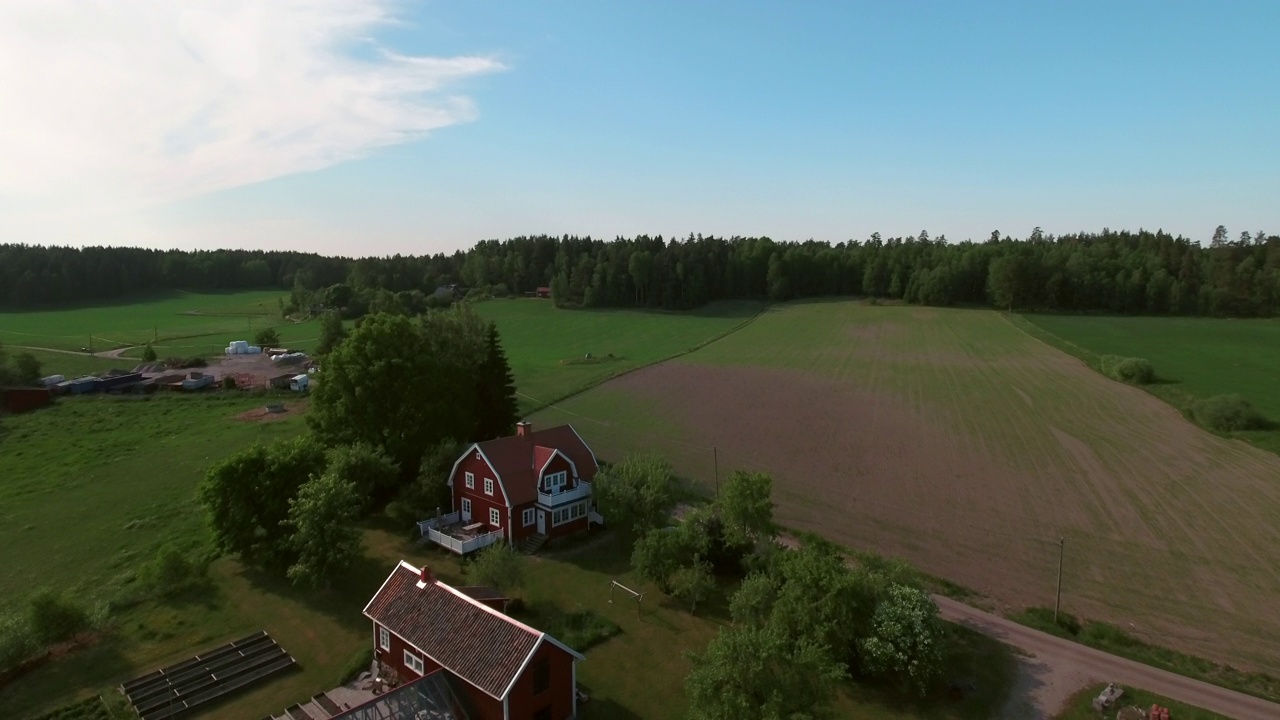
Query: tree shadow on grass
603,709
341,601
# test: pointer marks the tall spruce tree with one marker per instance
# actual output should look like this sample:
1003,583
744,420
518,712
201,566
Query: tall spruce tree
495,391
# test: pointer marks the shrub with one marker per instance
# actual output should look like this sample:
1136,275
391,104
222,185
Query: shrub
266,337
579,629
170,571
54,618
228,382
17,643
148,353
1228,413
360,662
1136,371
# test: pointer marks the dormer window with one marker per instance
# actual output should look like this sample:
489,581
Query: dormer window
556,482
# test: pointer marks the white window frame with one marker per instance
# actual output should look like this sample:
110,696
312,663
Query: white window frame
567,514
495,517
530,516
471,481
413,662
466,505
488,486
384,638
557,482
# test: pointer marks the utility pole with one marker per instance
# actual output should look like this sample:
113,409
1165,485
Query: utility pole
715,459
1057,604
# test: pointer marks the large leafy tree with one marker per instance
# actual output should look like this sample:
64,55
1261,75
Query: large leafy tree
745,506
322,530
637,493
367,469
247,495
332,332
906,638
401,384
496,406
755,672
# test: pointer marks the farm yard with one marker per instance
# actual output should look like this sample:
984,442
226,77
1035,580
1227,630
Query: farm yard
953,439
1194,358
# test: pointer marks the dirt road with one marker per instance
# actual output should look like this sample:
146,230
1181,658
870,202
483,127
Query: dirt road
1056,668
118,352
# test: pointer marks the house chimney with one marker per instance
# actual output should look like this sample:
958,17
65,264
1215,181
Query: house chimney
524,429
424,574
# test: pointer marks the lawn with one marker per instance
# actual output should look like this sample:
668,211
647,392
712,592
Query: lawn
638,673
73,364
1080,707
163,318
1194,358
547,347
956,441
92,485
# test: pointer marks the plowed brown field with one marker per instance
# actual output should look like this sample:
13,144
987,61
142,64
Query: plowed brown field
952,439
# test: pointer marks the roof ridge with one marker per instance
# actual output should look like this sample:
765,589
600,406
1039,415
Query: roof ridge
501,615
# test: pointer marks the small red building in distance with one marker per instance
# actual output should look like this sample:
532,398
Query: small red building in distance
527,484
543,292
503,668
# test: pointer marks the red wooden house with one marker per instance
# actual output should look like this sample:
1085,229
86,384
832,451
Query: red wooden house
521,489
502,668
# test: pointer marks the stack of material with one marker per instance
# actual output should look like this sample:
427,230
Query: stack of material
1158,713
253,350
238,347
51,380
289,358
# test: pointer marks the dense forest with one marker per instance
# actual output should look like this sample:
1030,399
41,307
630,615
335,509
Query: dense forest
1115,272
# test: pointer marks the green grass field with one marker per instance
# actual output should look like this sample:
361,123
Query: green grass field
212,317
93,484
1194,358
547,347
955,440
1080,707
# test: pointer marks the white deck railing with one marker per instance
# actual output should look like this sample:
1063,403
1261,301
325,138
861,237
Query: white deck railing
582,490
448,519
595,517
462,547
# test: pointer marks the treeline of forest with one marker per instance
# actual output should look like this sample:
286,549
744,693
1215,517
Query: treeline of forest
1110,271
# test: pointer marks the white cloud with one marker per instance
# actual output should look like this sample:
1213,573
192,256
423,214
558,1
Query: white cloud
127,103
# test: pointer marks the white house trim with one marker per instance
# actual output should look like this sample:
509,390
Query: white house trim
475,447
543,470
523,666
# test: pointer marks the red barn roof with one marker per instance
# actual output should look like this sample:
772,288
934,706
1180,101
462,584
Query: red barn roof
518,459
469,639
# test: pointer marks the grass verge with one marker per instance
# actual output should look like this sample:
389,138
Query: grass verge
1111,639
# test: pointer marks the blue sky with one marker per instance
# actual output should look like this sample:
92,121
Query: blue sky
794,120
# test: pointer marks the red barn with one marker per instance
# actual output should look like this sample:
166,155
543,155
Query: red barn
543,292
506,669
524,488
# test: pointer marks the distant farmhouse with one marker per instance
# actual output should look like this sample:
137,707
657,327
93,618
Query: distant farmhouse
523,489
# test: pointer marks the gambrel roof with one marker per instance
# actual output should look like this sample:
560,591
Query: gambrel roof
517,460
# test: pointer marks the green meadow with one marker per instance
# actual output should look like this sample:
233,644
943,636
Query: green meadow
1194,358
547,347
177,318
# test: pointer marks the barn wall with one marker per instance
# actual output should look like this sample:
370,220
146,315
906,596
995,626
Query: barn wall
559,697
480,503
